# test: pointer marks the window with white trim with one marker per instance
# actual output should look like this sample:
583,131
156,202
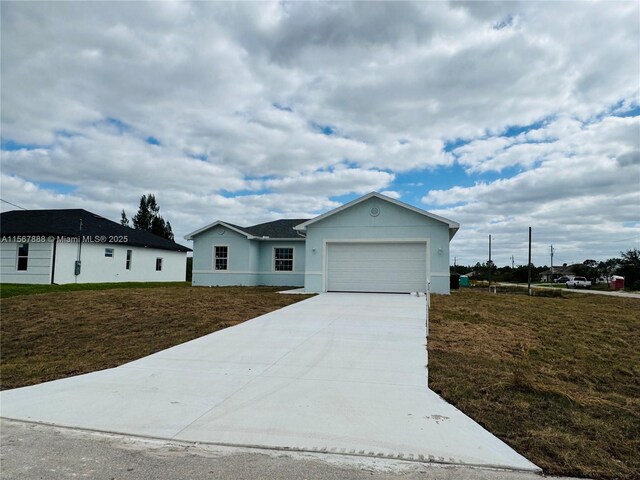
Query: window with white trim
23,256
221,257
108,252
158,264
283,259
129,259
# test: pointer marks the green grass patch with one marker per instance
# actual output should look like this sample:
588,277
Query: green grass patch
557,378
14,289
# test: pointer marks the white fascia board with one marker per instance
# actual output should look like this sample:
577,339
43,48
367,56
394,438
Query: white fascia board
453,226
190,236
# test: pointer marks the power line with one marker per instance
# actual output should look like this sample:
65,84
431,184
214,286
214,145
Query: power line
623,239
13,204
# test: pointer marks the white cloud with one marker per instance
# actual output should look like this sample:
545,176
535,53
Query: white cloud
585,192
339,182
392,194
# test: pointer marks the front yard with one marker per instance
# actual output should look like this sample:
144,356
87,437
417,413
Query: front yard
46,336
557,378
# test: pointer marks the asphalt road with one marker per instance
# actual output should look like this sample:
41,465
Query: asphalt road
31,451
576,290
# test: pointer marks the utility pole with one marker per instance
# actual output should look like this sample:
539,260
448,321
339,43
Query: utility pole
489,263
529,266
551,279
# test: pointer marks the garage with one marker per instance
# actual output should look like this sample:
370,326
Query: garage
394,267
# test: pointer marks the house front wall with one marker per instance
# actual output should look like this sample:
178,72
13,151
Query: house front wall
267,274
98,268
376,220
38,263
242,258
250,262
95,266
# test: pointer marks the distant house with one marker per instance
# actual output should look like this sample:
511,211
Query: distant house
77,246
557,272
372,244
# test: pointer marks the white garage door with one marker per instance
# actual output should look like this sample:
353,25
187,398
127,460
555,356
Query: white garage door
376,267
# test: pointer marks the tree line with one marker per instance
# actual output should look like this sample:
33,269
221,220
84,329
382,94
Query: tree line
627,266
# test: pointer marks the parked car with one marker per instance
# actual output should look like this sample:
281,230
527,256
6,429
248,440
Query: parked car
562,279
578,282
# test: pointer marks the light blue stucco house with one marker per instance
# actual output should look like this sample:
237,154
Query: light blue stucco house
372,244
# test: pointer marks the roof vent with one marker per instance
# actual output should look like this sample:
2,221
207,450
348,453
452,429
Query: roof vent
374,212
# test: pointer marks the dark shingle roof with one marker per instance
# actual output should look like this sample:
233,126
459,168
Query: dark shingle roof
276,229
66,223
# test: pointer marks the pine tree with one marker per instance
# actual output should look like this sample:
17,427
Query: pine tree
123,219
148,218
142,219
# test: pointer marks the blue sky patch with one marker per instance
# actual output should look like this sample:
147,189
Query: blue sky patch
346,198
451,145
57,187
324,129
10,145
632,112
515,130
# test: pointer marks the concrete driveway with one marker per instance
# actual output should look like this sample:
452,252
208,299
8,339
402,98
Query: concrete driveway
338,373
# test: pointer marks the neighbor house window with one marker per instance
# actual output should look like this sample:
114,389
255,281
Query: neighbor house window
283,259
158,264
221,257
108,252
23,256
128,262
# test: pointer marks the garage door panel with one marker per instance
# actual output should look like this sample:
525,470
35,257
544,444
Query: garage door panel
376,267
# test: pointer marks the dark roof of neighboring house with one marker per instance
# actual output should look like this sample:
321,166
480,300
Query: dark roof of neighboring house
562,270
276,229
66,223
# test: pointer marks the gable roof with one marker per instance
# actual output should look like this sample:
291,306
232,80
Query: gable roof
276,230
453,226
66,223
230,226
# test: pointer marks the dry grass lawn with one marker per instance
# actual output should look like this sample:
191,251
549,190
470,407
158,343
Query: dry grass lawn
55,335
557,378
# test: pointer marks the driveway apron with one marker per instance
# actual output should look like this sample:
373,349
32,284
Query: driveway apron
337,373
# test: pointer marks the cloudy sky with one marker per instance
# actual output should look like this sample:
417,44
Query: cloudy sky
499,116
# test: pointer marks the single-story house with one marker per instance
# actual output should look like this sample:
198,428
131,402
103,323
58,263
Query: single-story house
77,246
557,272
372,244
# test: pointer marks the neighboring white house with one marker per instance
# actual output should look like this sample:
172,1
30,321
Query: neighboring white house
77,246
372,244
